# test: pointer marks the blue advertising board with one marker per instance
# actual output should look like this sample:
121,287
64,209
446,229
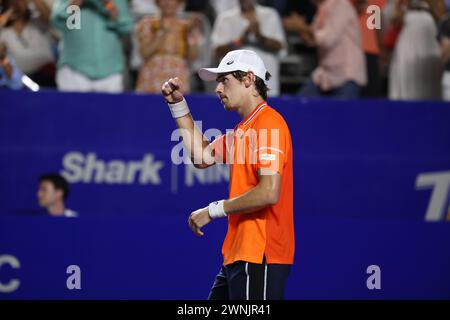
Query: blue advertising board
372,192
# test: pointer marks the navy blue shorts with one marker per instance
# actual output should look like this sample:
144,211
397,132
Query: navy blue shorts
250,281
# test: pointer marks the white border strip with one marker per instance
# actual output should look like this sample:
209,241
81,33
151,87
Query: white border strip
265,282
248,282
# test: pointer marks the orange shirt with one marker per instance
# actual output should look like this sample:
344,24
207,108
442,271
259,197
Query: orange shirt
261,141
369,38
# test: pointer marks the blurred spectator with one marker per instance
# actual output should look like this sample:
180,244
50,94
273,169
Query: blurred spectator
390,29
301,60
203,13
415,68
335,31
52,193
253,27
221,6
373,47
140,8
438,8
285,8
92,57
166,44
10,74
27,37
203,7
391,23
444,38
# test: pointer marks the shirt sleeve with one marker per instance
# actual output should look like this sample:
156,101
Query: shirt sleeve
59,14
124,24
339,16
273,28
226,29
219,34
272,146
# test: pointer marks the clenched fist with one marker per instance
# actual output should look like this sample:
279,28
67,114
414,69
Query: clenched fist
171,90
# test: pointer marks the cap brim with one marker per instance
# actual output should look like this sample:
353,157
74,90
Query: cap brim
209,74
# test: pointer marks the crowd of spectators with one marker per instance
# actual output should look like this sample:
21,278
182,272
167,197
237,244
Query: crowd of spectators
396,49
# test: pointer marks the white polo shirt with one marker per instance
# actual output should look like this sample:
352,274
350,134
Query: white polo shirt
230,25
31,49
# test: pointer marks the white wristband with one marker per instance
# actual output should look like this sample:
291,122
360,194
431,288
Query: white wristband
179,109
216,210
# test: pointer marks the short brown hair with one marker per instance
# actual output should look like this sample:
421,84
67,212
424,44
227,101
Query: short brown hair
260,85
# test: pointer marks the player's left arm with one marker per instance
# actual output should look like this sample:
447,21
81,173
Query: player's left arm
265,193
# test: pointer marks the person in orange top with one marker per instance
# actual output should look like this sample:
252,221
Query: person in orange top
259,246
372,45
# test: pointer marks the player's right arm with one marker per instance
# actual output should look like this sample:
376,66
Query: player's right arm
198,146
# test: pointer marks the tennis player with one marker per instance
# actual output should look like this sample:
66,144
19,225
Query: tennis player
258,250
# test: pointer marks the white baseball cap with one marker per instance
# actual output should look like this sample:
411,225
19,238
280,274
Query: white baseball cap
242,60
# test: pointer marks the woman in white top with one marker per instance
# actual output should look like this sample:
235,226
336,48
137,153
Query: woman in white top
25,34
415,70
